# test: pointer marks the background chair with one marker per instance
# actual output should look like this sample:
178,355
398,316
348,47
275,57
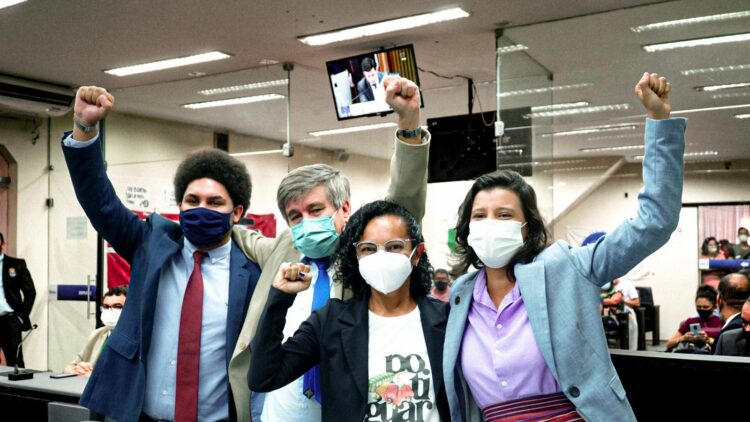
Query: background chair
650,315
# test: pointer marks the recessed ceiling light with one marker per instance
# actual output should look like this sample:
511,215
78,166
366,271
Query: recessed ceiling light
689,21
576,169
697,42
580,110
247,154
543,90
233,101
168,64
595,129
742,116
512,48
540,163
689,154
697,110
710,88
618,148
730,95
8,3
608,137
561,106
244,87
383,27
352,129
716,69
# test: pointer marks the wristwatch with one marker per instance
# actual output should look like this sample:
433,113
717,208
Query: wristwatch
409,133
82,127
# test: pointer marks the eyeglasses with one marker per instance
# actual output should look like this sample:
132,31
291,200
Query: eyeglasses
366,248
115,306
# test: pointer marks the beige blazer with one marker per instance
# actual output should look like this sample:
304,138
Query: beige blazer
407,186
90,352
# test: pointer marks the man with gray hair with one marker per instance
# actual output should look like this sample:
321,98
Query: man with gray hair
315,202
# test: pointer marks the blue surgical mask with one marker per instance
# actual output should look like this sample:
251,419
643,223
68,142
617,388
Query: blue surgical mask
205,227
315,237
607,286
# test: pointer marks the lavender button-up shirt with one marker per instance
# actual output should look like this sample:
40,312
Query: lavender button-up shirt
500,359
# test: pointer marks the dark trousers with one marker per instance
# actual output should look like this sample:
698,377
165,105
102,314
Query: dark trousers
10,339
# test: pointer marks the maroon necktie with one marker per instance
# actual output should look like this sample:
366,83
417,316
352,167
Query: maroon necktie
189,346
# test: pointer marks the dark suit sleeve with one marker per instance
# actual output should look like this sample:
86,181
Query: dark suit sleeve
118,225
273,364
720,346
27,286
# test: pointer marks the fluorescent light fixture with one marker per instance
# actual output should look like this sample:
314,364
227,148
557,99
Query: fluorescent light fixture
383,27
730,95
697,42
234,101
580,110
691,21
572,169
608,137
352,129
512,48
619,148
168,63
595,129
742,116
697,110
717,69
244,87
540,163
711,88
561,106
543,90
247,154
689,154
8,3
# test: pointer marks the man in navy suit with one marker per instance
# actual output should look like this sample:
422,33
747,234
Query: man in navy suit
189,289
734,289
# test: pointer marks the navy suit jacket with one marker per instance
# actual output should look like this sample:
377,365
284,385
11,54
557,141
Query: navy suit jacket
117,385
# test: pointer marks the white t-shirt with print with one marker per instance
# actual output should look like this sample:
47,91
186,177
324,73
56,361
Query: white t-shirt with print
399,372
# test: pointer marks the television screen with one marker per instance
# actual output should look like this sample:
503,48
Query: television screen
464,147
357,82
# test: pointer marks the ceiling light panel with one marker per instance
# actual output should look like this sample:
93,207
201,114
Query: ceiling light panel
605,149
383,27
691,21
243,87
595,129
168,63
543,90
716,69
698,110
579,110
561,106
711,88
742,116
698,42
730,95
8,3
352,129
512,49
233,101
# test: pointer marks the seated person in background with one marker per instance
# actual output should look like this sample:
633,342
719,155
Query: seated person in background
710,324
441,285
742,249
710,249
736,342
734,289
622,296
724,246
112,304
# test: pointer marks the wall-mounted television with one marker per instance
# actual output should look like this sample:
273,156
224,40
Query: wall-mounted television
357,81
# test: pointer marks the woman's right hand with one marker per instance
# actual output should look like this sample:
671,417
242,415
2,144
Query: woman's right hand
293,278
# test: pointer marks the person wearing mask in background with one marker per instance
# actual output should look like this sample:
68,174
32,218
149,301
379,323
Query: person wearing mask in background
734,289
710,249
623,296
524,335
741,250
441,285
736,342
17,294
315,202
112,304
190,284
710,324
379,353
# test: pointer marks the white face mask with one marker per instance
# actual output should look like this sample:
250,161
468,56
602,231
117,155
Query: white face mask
385,271
110,316
743,238
495,241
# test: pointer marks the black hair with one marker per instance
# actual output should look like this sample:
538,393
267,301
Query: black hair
217,165
368,64
347,264
704,246
442,271
706,292
2,238
734,293
742,228
537,237
117,291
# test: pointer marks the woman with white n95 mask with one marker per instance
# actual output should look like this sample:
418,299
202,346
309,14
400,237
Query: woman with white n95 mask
524,339
380,353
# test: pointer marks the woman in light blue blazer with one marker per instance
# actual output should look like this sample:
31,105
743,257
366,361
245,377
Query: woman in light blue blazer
524,339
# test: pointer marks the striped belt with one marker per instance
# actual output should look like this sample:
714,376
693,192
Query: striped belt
546,408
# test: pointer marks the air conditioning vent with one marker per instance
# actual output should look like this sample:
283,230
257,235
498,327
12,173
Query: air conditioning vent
35,98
